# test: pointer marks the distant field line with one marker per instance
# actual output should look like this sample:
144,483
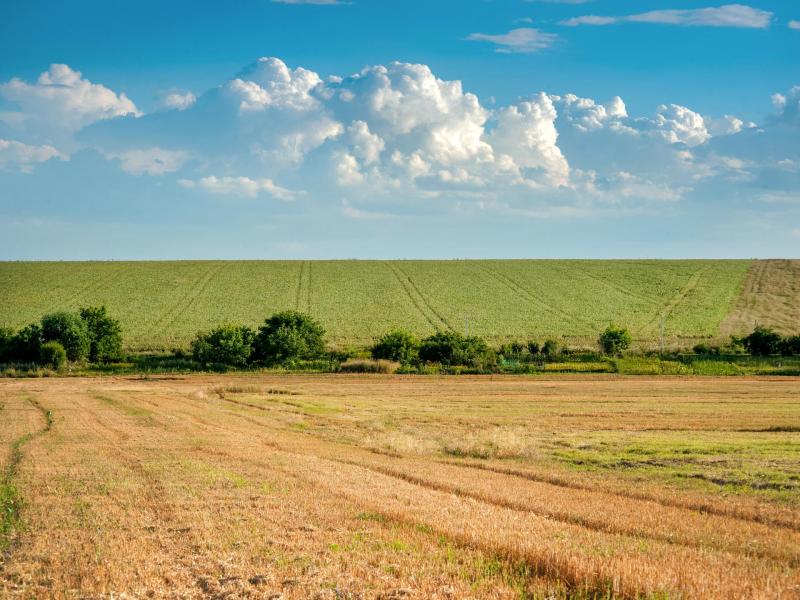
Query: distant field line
416,298
186,302
525,293
690,284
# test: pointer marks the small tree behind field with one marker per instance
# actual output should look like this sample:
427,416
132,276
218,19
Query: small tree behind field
763,341
397,345
230,345
287,336
53,355
614,340
70,331
105,334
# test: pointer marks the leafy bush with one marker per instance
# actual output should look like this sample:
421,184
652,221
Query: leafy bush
6,344
27,344
289,335
369,366
762,342
706,350
790,346
511,350
397,345
533,347
229,345
451,348
614,340
105,335
53,355
549,348
70,331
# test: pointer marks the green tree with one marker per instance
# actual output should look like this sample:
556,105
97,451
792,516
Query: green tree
289,335
451,348
70,331
614,340
53,355
105,334
397,345
6,344
27,344
762,342
790,346
226,345
549,348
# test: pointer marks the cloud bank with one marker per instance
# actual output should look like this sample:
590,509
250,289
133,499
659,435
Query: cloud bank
397,135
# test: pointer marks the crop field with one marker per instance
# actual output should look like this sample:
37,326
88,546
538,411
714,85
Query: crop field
400,487
162,305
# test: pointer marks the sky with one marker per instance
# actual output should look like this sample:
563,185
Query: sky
266,129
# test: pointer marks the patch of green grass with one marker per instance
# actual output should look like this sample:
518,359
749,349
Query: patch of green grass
163,304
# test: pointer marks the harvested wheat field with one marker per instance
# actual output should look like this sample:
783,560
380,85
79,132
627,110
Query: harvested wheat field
400,487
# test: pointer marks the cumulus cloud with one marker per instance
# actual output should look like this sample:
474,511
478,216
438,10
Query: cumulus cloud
176,100
523,40
240,186
794,25
729,15
60,102
150,161
398,133
23,157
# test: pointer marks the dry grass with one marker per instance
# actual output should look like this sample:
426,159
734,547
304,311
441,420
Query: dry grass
770,296
369,487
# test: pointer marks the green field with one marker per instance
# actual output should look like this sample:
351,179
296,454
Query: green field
163,304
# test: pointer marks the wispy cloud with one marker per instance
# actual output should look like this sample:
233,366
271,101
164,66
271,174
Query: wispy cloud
794,24
517,41
240,186
729,15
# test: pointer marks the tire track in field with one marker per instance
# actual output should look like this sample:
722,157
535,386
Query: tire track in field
560,516
611,285
688,287
308,286
10,500
195,291
417,299
530,296
93,286
302,300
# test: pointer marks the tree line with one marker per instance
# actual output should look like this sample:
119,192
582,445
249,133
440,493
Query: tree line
291,338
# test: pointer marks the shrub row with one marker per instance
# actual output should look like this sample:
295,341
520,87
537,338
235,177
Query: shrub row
59,337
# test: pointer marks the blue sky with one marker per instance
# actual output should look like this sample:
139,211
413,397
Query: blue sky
372,129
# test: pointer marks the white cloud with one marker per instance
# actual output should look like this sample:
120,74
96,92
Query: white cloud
150,161
586,115
240,186
59,103
678,124
794,25
526,133
176,100
16,155
522,40
729,15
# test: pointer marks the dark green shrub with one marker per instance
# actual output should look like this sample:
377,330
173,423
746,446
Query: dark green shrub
790,346
289,335
399,346
27,344
534,348
70,331
53,355
105,335
229,345
511,350
762,342
451,348
614,340
549,348
706,350
6,344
